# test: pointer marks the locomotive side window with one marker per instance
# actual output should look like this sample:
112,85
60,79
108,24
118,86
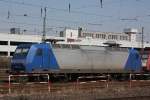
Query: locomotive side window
39,52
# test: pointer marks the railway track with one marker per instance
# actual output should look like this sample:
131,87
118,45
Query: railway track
128,98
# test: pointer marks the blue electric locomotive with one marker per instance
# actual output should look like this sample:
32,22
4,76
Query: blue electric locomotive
66,58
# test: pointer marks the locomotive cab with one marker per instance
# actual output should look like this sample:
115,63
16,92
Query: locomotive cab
36,57
18,61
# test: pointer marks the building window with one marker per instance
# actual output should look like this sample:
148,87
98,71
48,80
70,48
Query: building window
11,53
123,37
102,36
97,35
3,42
109,36
61,34
114,37
84,34
71,34
3,53
13,43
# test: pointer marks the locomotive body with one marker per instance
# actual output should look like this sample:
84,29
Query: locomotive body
65,58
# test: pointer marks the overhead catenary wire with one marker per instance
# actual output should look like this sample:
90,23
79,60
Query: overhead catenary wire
28,4
53,19
57,9
52,8
72,10
62,20
97,5
29,24
77,22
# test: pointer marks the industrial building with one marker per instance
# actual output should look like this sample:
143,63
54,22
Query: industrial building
128,38
9,41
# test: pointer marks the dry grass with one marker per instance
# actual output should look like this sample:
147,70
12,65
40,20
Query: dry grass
91,94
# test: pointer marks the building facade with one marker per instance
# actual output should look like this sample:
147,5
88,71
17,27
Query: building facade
9,42
128,38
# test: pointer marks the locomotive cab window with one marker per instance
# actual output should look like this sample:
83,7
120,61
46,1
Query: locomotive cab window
39,52
22,51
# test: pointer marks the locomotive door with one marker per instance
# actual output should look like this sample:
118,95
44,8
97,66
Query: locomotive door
43,58
39,58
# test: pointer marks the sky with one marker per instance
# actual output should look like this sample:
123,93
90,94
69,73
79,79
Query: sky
112,16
